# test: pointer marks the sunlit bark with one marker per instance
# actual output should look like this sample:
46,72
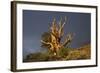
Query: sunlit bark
56,34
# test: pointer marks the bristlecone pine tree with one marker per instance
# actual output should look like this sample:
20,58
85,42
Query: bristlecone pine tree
52,39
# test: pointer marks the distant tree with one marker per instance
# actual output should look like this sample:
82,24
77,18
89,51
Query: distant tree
52,39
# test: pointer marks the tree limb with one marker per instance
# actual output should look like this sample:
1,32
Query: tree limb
48,43
67,40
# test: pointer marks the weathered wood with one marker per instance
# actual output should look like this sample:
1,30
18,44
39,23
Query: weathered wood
56,34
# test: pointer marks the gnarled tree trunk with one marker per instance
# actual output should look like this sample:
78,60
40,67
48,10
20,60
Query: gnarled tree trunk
56,35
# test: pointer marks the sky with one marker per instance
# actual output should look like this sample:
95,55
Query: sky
35,23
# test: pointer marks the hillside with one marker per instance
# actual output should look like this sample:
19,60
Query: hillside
80,53
83,52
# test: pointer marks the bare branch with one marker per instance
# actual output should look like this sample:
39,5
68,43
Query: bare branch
61,26
67,40
48,43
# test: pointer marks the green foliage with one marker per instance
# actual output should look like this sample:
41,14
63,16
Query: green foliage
63,52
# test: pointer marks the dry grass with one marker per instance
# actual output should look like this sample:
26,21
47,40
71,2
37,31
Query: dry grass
80,53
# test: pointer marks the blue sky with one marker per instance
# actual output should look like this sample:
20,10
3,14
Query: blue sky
37,22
